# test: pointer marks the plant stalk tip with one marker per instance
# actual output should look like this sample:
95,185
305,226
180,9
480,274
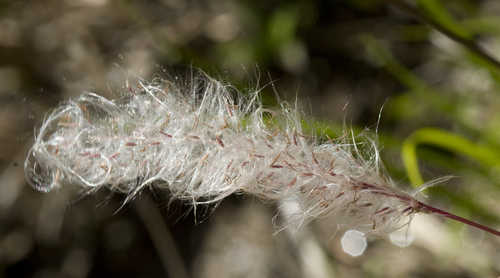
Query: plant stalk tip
434,210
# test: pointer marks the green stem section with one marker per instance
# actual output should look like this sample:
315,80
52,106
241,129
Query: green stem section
434,14
446,140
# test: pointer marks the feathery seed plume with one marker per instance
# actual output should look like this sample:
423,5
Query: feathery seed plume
202,142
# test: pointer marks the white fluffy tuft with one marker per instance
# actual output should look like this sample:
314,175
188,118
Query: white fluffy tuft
202,143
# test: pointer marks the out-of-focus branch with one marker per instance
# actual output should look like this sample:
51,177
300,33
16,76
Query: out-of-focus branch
468,43
161,237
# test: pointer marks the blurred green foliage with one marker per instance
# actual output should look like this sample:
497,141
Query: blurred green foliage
447,102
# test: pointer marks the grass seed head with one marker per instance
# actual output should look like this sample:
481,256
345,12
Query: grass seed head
202,142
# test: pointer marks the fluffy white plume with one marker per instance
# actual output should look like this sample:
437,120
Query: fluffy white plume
203,141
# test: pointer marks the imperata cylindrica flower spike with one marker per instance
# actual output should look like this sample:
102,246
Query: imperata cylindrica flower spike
202,141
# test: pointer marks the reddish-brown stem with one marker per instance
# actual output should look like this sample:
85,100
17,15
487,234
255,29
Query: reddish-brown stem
458,218
422,207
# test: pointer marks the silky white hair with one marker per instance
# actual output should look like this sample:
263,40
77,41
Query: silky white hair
202,141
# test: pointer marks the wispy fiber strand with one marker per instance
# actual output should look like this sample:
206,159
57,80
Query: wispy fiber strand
202,141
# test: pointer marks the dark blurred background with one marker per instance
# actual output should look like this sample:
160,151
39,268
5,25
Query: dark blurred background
428,63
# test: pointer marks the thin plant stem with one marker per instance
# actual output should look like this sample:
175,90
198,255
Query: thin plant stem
418,206
470,44
446,214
